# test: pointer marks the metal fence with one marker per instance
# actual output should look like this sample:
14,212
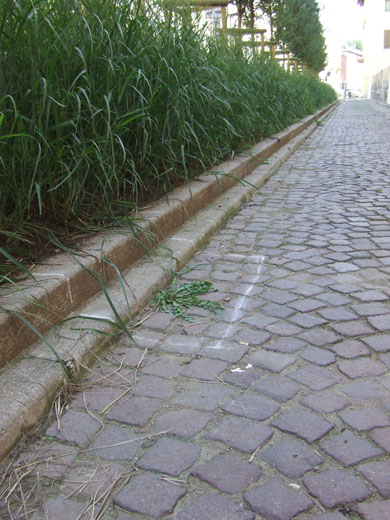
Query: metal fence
380,86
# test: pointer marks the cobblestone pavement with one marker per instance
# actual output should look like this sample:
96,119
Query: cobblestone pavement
278,408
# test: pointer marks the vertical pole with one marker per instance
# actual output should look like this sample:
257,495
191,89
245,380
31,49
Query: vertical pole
224,20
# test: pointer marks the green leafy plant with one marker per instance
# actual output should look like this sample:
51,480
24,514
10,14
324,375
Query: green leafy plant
179,297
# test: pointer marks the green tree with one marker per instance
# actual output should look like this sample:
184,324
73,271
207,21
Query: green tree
298,26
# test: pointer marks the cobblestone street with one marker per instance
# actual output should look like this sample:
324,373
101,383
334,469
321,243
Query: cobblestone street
278,407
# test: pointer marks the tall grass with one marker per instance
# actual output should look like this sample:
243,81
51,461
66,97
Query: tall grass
104,104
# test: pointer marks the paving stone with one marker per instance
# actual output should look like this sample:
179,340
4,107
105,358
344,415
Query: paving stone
224,350
277,311
205,369
276,387
333,299
364,390
76,427
152,386
371,296
147,338
162,367
374,510
184,423
291,457
98,398
336,487
158,321
365,418
378,473
218,331
307,305
275,501
260,321
115,443
370,309
63,508
307,321
318,355
350,348
351,328
242,377
325,402
349,449
378,342
251,406
361,367
271,360
337,314
203,396
284,345
135,411
149,495
283,328
55,459
307,290
319,337
381,322
242,434
316,378
382,437
91,478
213,507
179,344
228,473
302,423
169,456
328,516
252,337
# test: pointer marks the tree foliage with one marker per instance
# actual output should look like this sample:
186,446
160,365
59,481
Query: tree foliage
298,26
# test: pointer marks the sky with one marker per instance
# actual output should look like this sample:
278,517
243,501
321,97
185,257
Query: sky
342,19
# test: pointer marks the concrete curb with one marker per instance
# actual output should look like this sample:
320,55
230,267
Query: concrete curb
29,384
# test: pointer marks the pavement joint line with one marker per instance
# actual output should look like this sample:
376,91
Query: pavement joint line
43,372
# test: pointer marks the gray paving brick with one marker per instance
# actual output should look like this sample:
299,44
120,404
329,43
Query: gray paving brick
252,337
275,501
378,473
291,457
136,411
242,434
276,387
203,396
366,418
318,356
381,323
315,377
382,437
205,369
148,495
364,390
335,488
183,423
152,386
349,449
351,329
167,368
272,361
228,473
375,510
76,427
63,508
302,423
115,443
224,350
215,507
242,377
319,337
350,348
169,456
325,401
361,367
284,345
179,344
251,406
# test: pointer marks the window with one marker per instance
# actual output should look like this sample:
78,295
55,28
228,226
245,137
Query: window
387,5
387,39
